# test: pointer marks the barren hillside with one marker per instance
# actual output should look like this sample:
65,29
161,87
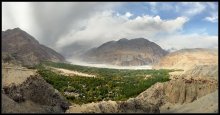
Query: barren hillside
187,58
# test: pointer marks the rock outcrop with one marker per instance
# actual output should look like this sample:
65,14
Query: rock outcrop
205,104
178,91
15,74
21,48
129,106
32,94
126,52
184,89
11,106
207,71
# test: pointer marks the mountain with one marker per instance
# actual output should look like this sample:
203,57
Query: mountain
20,47
188,58
125,52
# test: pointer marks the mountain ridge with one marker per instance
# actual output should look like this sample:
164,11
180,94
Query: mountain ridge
22,48
124,52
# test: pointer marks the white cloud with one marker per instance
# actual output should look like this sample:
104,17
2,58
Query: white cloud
180,41
212,19
185,8
188,9
192,8
109,25
213,16
128,14
213,12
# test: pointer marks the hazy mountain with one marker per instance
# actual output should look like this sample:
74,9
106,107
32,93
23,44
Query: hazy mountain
126,52
188,58
172,50
19,46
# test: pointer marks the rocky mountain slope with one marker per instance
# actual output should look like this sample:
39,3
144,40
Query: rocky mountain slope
20,47
126,52
188,58
32,94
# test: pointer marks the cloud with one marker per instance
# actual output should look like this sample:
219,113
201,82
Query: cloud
18,14
48,21
128,14
213,13
187,9
192,8
212,19
180,41
113,26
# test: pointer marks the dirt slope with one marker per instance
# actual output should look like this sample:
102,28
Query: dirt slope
188,58
205,104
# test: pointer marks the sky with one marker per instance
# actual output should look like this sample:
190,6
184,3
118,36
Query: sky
77,26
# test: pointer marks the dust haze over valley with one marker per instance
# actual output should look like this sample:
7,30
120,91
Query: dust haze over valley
110,57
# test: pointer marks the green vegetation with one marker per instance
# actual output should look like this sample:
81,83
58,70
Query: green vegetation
110,84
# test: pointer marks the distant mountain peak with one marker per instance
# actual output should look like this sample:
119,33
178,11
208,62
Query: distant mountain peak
139,39
12,33
17,29
126,52
14,29
19,46
123,39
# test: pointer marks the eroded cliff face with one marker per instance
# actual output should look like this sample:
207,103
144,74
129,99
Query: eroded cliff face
205,104
126,52
186,90
31,94
129,106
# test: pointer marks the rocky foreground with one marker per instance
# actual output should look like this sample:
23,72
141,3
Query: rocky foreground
192,91
169,97
31,94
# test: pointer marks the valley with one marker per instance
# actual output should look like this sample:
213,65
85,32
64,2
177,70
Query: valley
109,84
124,76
